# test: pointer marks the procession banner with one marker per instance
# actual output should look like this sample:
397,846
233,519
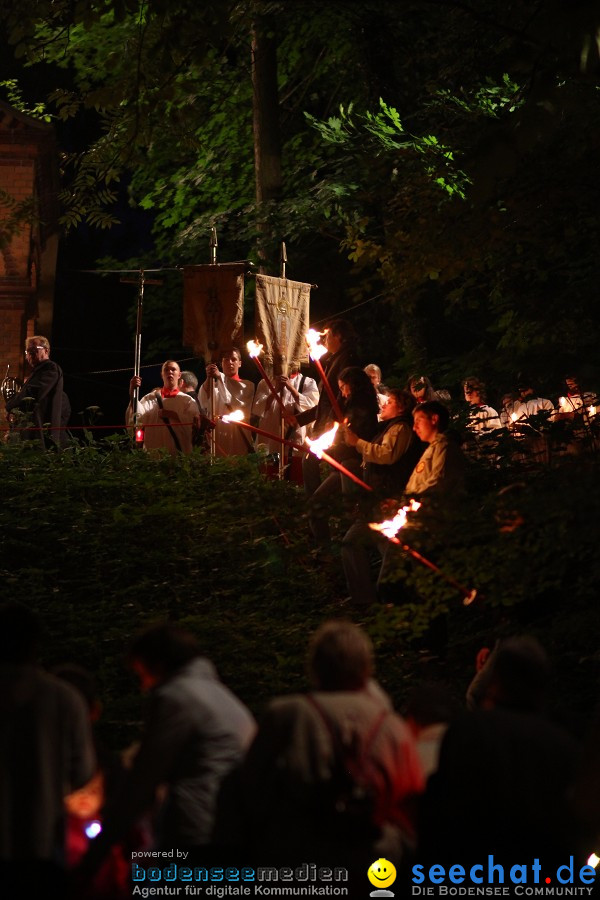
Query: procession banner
213,308
282,320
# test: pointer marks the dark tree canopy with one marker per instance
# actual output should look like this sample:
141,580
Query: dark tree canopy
438,155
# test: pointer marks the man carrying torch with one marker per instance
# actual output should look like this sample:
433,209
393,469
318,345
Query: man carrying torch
438,474
339,340
229,393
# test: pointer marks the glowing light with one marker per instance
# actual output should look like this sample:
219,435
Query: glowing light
391,527
470,597
513,417
593,860
592,411
254,349
236,416
563,405
315,348
93,829
139,435
324,442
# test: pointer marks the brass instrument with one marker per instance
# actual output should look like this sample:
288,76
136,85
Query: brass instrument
10,386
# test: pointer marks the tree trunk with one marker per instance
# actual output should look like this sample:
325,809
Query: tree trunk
267,143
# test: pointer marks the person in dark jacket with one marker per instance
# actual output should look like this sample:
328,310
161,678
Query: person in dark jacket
40,400
359,408
196,731
389,457
340,340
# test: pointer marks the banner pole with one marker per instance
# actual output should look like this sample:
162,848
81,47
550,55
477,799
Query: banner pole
213,243
282,424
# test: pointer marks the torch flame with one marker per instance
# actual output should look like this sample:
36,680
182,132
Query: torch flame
391,527
514,417
592,411
236,416
254,348
593,860
315,348
324,442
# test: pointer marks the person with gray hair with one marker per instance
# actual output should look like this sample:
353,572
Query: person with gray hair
290,779
40,401
188,384
374,373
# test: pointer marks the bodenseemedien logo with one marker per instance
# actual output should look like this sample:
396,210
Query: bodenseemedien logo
382,874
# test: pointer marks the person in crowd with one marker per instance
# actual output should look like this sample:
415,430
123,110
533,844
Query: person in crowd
223,393
40,401
168,416
422,389
530,404
440,470
524,673
577,398
46,751
196,731
374,373
298,393
482,418
578,410
309,752
391,455
340,340
437,477
505,771
359,408
389,460
531,414
430,707
85,807
188,384
509,404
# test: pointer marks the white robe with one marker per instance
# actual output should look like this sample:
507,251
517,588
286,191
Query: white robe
270,412
229,394
183,409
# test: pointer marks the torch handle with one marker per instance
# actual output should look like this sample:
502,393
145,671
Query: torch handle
334,403
269,384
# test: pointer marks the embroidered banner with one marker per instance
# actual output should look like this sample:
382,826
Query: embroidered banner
281,318
213,308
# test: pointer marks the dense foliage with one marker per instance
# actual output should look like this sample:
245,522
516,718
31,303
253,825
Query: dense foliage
445,148
102,539
439,162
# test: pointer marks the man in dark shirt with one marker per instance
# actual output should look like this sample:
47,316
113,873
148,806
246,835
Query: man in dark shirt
339,340
40,400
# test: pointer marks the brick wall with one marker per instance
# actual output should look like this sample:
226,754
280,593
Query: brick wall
27,148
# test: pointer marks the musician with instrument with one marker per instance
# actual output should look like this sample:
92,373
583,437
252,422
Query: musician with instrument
40,399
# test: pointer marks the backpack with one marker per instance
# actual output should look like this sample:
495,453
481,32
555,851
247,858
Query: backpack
348,800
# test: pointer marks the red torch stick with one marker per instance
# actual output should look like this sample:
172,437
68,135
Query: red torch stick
334,404
391,528
254,349
468,594
317,452
336,465
317,350
275,437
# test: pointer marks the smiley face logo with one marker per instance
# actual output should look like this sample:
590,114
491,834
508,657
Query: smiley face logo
382,873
